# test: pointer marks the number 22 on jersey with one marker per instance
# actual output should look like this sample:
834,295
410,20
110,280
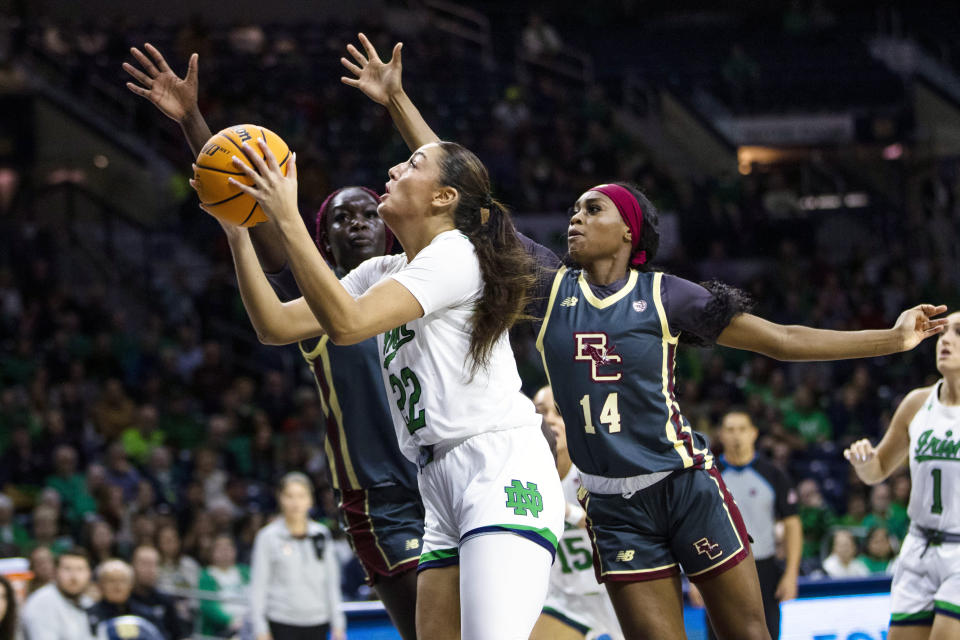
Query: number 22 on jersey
609,414
414,417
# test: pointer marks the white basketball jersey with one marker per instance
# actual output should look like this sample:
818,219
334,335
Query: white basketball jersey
426,363
935,465
572,572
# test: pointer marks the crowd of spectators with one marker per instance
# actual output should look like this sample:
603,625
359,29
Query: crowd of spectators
138,430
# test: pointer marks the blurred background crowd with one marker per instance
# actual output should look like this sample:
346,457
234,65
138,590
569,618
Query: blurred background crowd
137,409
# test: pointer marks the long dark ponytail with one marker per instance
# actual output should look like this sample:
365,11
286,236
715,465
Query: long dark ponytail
507,269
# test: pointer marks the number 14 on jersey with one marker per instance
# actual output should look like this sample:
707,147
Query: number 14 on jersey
609,414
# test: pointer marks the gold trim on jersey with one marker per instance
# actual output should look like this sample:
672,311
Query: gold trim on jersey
331,405
611,299
557,280
735,531
666,340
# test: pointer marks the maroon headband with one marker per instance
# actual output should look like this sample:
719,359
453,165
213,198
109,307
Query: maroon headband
320,231
630,211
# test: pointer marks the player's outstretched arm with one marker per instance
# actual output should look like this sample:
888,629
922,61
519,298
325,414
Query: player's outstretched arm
174,96
875,464
384,306
382,82
799,343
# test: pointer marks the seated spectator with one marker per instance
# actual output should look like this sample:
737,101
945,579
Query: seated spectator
856,510
113,411
115,580
815,516
177,571
58,610
8,610
12,533
886,513
42,567
222,615
161,473
46,531
120,472
71,485
879,554
901,486
805,419
100,541
140,440
842,561
174,622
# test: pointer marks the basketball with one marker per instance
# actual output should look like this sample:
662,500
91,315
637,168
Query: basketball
215,167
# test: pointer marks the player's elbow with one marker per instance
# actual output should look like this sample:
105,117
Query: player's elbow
273,338
344,338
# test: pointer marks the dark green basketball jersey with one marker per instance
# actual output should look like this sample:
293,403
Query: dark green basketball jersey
361,442
610,363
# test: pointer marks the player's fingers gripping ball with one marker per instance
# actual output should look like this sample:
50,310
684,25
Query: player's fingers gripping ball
214,167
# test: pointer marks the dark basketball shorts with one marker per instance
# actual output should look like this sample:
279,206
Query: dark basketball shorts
385,529
688,520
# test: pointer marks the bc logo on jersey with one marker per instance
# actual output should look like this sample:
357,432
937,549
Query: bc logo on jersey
524,500
703,545
593,348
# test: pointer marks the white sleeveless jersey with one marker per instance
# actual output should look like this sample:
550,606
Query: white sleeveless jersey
572,572
426,363
935,465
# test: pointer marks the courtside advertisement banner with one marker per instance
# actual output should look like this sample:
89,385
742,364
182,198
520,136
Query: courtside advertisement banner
865,617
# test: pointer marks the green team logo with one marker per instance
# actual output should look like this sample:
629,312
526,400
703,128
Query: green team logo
524,500
393,340
929,447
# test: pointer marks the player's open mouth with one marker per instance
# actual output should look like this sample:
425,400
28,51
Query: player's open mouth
573,233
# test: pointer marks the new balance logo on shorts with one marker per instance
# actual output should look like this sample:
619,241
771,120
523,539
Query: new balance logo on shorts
703,545
413,543
524,500
625,556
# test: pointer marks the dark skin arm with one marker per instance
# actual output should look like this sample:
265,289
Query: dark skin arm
176,98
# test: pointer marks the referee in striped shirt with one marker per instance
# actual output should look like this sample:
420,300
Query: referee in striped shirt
766,496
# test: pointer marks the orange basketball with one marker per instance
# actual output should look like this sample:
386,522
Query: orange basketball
215,166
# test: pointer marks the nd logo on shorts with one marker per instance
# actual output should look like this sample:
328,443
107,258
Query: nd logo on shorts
524,501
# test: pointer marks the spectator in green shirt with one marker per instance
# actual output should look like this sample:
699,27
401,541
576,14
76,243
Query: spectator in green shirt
815,516
856,510
886,513
71,485
878,552
223,617
805,419
46,531
12,533
140,440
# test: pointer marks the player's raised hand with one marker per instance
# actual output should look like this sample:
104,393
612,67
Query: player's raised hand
276,192
379,80
917,324
176,97
860,453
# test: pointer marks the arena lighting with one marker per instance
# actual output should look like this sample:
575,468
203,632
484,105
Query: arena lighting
101,161
855,200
